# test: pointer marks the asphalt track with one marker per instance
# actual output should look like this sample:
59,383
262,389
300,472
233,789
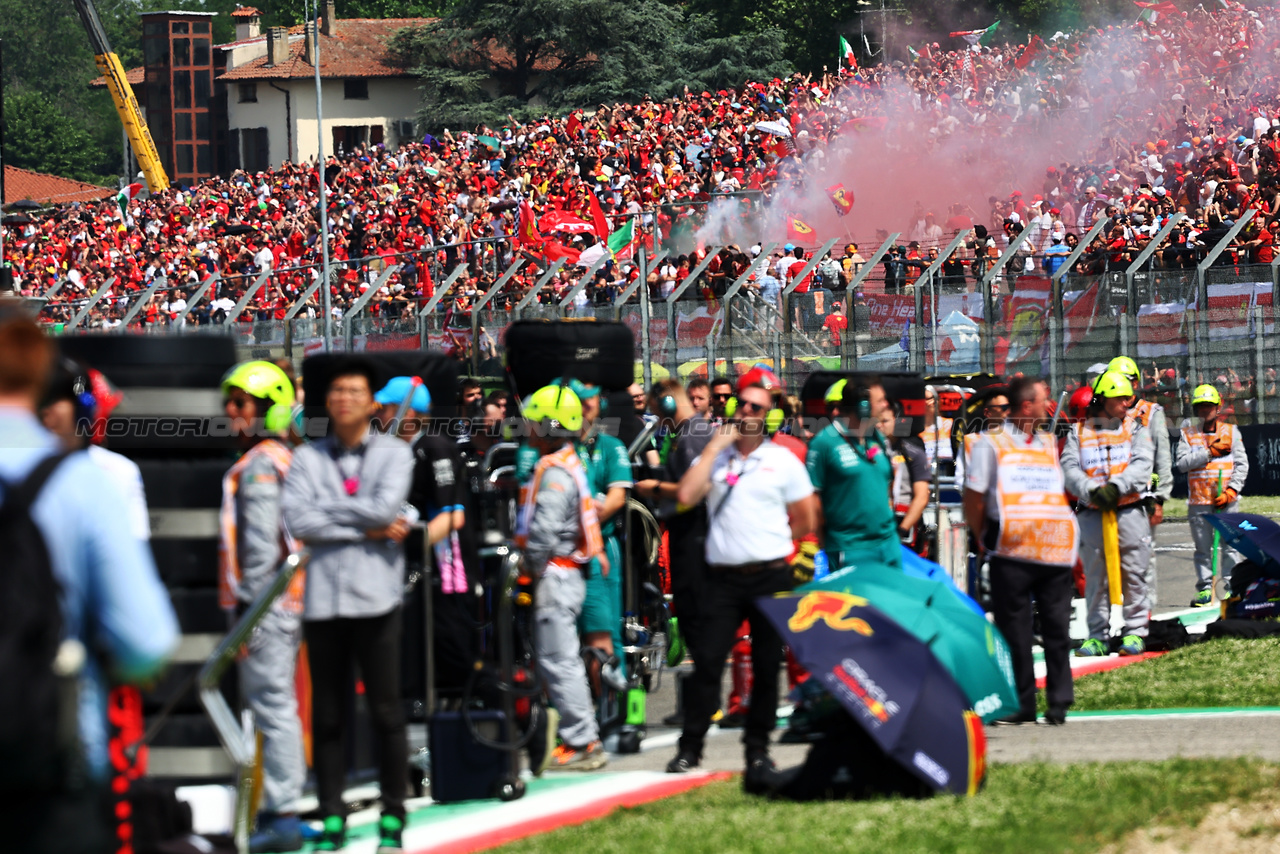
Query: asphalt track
1085,738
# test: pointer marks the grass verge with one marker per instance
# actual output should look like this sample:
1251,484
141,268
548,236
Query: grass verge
1032,807
1265,505
1225,672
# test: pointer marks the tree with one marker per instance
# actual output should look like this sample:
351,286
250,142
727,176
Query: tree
487,59
40,137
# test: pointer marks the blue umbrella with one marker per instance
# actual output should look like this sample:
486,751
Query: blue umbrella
1256,537
889,683
428,139
918,567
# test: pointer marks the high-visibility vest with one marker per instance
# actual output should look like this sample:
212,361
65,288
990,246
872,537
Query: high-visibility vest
1202,483
229,574
937,439
1036,522
1106,453
1142,411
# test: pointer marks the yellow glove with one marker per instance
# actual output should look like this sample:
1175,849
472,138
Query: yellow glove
802,563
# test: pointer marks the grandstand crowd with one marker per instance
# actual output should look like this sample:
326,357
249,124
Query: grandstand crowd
1179,115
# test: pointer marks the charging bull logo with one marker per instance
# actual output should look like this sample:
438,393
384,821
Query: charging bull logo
831,608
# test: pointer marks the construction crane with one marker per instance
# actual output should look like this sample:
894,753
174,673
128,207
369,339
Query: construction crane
135,127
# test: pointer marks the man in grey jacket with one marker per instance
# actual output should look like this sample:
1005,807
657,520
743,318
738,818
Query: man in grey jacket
560,534
344,498
1106,462
1216,465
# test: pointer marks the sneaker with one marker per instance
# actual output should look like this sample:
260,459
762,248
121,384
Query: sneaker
1016,719
1132,645
1055,715
276,834
733,720
1092,647
391,835
684,762
611,675
1204,598
761,776
334,836
543,742
589,758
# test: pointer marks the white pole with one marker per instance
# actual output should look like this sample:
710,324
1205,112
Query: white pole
324,190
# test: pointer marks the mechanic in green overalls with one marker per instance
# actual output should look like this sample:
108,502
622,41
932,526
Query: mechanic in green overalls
609,475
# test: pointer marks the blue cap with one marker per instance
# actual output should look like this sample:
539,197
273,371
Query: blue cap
581,389
788,247
1184,145
394,393
1241,139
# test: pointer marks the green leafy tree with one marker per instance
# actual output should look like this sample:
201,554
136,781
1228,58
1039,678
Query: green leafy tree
40,137
487,59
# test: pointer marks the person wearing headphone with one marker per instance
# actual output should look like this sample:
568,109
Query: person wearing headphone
258,399
1216,464
1106,463
559,531
850,465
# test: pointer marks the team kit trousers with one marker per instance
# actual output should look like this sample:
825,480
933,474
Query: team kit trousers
1135,559
557,604
267,680
1014,583
728,598
1202,535
333,646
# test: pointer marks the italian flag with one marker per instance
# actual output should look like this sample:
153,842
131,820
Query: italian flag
621,240
975,37
1151,12
846,52
127,195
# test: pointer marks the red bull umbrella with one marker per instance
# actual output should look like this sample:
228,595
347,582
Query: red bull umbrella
971,649
889,683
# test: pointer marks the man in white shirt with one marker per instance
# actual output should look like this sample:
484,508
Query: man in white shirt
759,499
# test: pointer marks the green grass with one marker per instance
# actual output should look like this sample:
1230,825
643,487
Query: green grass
1024,808
1225,672
1266,505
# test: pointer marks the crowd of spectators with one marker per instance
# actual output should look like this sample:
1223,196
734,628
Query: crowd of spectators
1185,113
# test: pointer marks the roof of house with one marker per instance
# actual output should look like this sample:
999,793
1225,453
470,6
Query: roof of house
358,50
134,76
22,184
246,12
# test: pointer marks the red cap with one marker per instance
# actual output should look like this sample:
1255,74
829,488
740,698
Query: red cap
761,377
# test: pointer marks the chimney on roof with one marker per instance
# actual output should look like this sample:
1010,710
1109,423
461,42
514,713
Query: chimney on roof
329,23
248,21
309,51
277,46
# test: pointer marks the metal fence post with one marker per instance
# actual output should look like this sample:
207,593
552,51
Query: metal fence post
240,306
1202,277
1259,372
141,300
988,353
90,303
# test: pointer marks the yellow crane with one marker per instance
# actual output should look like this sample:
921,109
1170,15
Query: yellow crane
135,127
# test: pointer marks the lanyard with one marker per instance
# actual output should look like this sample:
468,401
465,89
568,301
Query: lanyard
350,485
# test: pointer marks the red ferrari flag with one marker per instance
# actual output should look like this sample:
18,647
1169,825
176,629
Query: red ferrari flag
799,231
841,198
527,228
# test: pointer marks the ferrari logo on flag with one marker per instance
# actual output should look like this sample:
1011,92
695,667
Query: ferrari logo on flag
799,231
801,227
841,198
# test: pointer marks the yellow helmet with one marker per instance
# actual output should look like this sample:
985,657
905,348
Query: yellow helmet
1112,384
267,381
1206,394
1125,365
835,394
556,405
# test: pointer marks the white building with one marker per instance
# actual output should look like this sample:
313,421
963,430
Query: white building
271,96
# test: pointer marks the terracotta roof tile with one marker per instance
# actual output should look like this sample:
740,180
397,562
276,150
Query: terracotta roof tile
22,184
135,76
358,50
246,12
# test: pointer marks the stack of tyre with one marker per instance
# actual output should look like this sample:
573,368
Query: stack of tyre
170,422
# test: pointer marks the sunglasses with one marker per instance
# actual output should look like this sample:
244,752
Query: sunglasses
722,396
998,407
747,406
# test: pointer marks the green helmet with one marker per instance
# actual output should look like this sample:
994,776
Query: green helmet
1206,394
267,381
1112,384
835,394
1126,366
556,405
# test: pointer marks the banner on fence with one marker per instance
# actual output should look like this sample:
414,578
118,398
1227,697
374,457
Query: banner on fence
1162,330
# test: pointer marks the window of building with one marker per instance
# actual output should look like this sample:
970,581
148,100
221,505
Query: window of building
355,90
248,93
